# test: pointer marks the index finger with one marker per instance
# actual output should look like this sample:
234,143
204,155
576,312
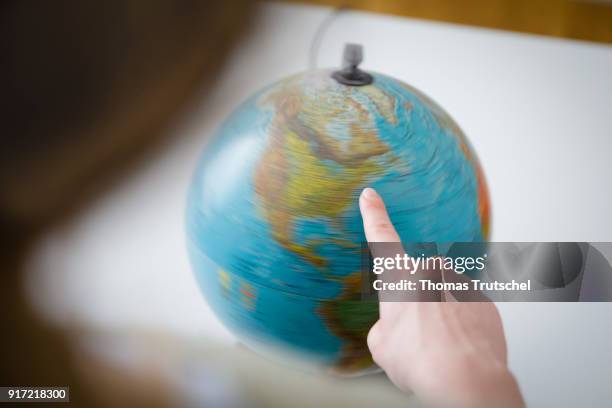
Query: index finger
378,229
376,222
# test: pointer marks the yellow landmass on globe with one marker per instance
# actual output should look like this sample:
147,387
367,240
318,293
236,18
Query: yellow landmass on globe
305,172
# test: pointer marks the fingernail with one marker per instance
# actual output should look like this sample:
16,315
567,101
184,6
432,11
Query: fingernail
369,194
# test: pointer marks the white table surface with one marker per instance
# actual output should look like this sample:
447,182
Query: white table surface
537,110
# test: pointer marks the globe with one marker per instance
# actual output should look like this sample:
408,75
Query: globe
274,230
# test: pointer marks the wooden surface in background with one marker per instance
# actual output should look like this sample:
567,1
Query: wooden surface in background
581,20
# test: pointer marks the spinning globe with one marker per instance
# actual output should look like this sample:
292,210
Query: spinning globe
274,230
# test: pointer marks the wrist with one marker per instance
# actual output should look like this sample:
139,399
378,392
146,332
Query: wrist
493,386
473,381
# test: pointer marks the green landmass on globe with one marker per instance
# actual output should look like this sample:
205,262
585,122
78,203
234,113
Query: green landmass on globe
274,230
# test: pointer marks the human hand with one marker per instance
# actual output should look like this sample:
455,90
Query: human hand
450,354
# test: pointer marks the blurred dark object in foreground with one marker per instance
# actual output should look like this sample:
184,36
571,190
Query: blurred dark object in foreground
85,87
84,84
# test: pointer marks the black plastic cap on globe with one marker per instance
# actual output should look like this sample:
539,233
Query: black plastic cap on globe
350,74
